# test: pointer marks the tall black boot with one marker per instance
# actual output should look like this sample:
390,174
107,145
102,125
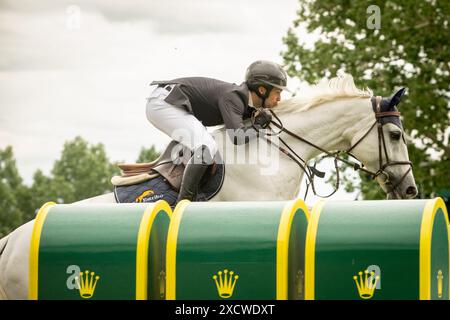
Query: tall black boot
193,173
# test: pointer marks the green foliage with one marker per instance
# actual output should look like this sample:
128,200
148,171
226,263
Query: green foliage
82,171
147,155
42,190
411,49
10,182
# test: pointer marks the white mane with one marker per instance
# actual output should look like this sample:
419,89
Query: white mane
325,90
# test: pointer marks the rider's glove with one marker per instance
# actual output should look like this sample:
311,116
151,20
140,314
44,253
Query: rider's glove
263,119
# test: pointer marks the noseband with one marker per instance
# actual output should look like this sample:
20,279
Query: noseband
311,171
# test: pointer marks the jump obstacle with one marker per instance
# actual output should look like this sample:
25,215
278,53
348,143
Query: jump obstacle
393,249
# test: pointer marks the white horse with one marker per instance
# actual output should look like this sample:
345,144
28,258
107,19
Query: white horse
335,115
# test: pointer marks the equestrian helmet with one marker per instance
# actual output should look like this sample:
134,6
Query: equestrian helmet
266,74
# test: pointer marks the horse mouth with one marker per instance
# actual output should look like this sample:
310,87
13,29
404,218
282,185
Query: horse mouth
392,191
393,194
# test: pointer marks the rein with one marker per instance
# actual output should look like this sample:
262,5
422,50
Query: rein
311,171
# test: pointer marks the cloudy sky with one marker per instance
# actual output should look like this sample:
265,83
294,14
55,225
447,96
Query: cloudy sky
71,68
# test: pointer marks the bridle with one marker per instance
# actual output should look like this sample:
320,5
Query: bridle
311,171
382,146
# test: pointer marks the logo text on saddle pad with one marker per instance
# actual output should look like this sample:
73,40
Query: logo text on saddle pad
147,196
225,283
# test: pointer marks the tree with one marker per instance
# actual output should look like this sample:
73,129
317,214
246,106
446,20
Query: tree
43,189
83,171
148,154
10,184
410,48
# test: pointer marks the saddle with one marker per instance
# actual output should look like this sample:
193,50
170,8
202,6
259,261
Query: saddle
170,164
161,178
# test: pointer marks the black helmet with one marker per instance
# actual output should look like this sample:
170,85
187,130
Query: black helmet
266,74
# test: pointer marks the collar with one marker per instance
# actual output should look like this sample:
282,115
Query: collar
250,100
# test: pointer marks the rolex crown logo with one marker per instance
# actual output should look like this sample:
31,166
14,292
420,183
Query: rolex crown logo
86,283
440,278
225,283
366,285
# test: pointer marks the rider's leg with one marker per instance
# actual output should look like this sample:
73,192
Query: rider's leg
193,173
184,127
178,123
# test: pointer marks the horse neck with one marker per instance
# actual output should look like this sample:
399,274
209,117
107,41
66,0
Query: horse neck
329,125
325,125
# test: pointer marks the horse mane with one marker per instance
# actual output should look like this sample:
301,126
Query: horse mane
325,90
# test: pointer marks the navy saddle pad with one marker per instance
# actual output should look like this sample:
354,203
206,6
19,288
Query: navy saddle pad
159,189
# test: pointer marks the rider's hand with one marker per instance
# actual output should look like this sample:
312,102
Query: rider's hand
262,119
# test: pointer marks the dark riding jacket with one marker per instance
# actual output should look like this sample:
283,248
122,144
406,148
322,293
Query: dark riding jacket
213,102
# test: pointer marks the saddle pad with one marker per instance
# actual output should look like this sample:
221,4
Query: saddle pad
148,191
160,189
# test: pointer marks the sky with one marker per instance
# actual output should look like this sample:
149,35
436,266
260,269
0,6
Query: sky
83,68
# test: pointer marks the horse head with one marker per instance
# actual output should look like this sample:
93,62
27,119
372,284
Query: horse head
383,149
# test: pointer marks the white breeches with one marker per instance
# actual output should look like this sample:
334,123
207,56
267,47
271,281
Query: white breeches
178,123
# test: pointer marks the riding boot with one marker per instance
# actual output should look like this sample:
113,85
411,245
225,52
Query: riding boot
193,173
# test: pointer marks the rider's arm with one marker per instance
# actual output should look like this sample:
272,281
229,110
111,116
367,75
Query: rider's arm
232,109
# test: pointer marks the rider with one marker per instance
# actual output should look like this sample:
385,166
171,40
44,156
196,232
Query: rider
192,103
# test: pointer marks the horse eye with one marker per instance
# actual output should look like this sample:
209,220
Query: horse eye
395,135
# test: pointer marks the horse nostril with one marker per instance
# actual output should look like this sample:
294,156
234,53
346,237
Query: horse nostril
411,191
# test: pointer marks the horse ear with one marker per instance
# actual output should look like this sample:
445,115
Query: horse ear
395,99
